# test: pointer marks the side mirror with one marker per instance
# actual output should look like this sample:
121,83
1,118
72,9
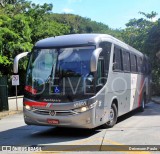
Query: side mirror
16,61
94,59
29,54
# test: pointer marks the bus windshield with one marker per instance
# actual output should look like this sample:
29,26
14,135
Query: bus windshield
60,72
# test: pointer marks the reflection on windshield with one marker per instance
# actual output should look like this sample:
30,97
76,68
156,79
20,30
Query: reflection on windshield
65,70
43,64
76,63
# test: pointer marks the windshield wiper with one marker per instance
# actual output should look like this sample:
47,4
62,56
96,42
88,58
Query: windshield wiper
50,75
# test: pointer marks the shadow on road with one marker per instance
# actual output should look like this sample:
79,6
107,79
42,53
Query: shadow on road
33,135
66,133
150,110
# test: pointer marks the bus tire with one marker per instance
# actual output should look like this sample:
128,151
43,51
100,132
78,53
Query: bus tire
113,116
143,103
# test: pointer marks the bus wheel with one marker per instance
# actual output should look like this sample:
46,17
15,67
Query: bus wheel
142,107
113,116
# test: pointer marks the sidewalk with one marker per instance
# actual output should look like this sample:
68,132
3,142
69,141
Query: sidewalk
12,106
156,99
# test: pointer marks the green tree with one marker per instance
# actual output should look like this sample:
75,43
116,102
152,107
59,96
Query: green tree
22,23
144,35
80,24
152,46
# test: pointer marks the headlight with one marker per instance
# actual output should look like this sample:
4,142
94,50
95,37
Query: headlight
82,109
28,107
85,108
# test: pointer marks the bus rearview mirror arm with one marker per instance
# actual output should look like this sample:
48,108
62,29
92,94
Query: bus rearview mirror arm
94,59
16,61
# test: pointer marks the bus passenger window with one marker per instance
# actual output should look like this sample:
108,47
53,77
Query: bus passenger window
133,63
106,46
126,61
117,60
139,64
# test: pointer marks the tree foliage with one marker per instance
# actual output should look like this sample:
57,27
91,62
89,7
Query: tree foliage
80,24
22,23
144,35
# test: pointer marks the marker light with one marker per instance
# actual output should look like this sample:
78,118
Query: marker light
93,105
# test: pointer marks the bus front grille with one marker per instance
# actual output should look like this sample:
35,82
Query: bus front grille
56,113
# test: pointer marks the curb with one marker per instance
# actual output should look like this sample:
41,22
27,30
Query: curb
7,113
158,102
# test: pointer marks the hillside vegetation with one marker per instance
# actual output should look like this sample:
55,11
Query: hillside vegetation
22,23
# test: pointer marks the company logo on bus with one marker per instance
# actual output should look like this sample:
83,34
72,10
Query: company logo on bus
52,100
52,113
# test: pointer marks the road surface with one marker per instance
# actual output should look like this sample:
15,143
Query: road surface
135,128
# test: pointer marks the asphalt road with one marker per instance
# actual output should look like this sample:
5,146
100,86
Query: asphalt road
135,128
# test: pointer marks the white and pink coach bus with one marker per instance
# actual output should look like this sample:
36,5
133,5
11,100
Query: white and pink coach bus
83,81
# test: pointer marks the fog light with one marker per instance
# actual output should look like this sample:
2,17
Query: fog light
28,107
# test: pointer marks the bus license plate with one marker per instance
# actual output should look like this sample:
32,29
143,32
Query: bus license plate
53,121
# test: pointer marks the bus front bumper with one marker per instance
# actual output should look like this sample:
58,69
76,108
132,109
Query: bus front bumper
81,120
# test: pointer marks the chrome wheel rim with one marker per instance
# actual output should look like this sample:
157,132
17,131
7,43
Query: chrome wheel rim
111,115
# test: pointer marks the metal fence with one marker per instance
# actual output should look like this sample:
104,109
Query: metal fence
3,93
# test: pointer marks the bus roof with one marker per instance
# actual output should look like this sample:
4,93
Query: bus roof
67,40
81,39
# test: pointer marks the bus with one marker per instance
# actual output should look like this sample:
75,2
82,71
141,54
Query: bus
83,81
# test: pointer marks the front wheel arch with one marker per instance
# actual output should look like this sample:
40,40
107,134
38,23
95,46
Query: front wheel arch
113,114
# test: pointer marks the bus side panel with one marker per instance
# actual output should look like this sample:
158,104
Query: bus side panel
133,99
102,109
125,87
118,88
140,89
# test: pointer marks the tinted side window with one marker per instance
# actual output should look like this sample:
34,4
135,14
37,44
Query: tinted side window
139,64
148,66
100,72
144,68
106,46
133,63
103,62
117,60
126,61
